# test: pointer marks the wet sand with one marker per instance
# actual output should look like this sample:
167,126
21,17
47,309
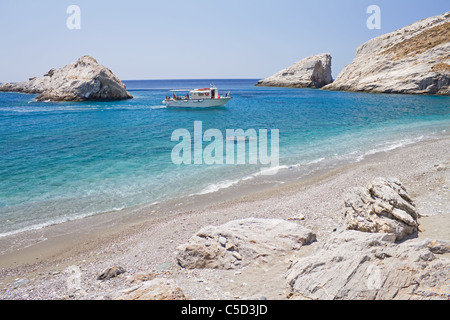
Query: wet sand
33,264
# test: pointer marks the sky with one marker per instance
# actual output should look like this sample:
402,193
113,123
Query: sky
193,39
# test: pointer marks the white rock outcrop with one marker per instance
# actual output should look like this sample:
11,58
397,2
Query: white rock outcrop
82,80
355,265
382,206
311,72
242,242
155,289
414,60
365,260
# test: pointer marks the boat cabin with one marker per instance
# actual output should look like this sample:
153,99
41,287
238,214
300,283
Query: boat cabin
195,94
206,93
197,98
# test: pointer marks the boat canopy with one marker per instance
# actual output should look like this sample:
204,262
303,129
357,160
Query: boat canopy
184,90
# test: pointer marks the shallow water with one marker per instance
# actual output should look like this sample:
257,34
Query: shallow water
61,161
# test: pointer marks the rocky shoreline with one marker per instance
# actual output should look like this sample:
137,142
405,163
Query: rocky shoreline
367,259
293,242
412,60
364,260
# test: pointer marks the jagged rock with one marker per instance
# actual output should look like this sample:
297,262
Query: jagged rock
359,265
156,289
311,72
110,273
82,80
382,206
242,242
414,59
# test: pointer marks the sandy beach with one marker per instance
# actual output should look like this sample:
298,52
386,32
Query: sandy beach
143,240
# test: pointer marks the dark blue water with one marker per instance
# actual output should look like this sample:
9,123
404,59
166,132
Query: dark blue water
60,161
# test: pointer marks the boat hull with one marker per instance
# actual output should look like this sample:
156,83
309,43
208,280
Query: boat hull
194,103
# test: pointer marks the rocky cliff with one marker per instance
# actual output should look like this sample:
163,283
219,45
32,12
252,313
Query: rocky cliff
414,59
82,80
311,72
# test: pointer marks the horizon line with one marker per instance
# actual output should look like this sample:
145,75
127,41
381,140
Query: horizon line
1,82
191,79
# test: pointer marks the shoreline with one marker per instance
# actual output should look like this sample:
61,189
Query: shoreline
144,238
225,189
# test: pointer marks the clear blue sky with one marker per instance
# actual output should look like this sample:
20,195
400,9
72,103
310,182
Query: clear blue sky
187,39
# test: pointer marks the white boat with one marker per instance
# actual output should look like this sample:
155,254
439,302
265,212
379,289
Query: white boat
196,98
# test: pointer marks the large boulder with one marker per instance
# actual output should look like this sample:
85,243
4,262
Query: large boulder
242,242
413,59
382,206
82,80
155,289
311,72
357,265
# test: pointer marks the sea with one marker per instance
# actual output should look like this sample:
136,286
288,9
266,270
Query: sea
61,161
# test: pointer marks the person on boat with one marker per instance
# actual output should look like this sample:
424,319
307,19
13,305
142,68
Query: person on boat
174,96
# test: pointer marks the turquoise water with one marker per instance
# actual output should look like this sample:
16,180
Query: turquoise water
60,161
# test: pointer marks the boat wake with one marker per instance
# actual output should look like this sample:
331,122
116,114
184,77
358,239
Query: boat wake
158,107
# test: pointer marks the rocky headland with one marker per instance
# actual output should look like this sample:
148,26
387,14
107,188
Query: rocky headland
82,80
412,60
311,72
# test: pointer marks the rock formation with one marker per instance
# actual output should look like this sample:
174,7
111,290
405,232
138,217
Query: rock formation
241,242
364,260
155,289
82,80
358,265
311,72
383,206
111,273
414,59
